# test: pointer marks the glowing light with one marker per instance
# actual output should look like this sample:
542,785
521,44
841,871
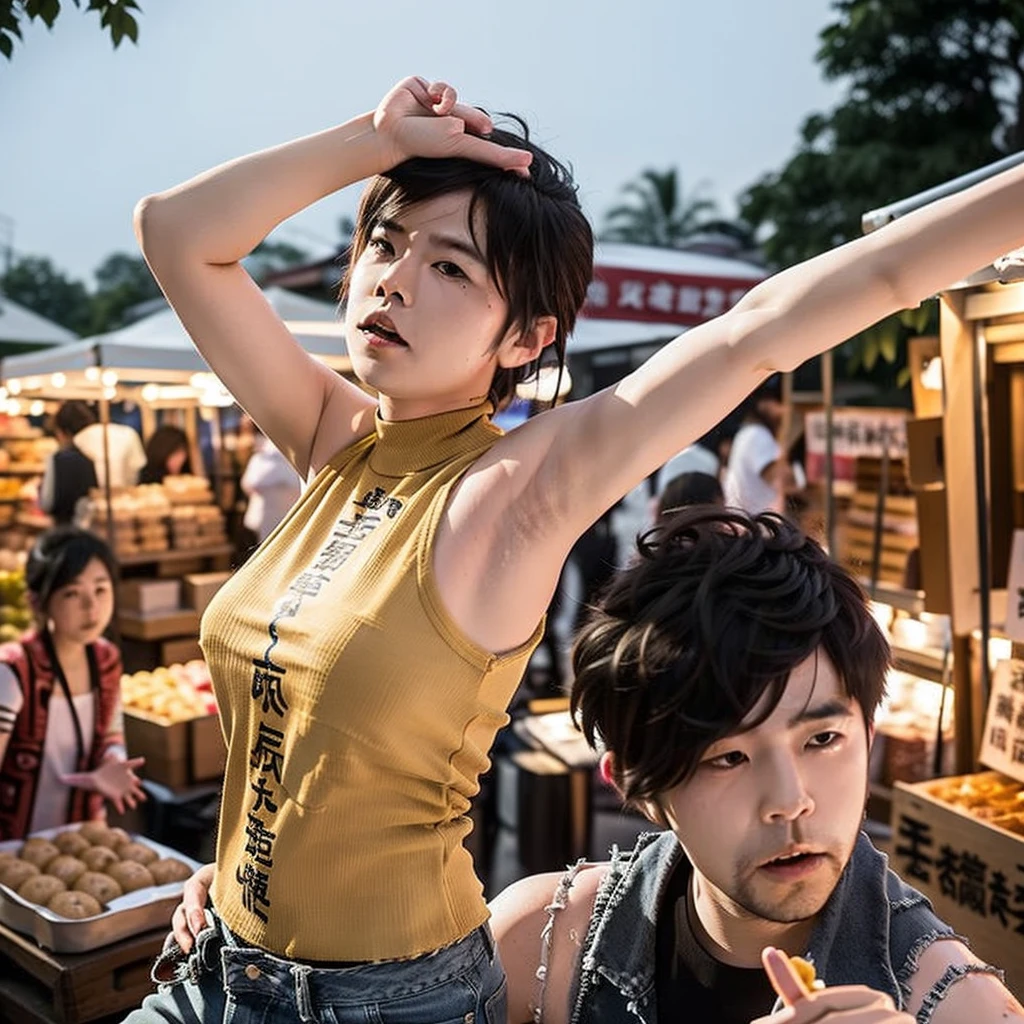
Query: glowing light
58,380
92,374
108,378
151,392
110,393
13,407
14,386
33,384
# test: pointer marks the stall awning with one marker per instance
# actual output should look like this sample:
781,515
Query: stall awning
642,294
20,326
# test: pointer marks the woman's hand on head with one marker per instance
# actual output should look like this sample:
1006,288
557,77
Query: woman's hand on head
115,780
421,118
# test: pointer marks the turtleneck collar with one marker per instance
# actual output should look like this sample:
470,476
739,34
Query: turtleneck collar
405,447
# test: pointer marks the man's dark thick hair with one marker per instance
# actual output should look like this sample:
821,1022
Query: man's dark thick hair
59,557
539,246
715,614
73,416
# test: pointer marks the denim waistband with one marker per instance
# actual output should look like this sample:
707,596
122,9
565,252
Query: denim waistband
250,970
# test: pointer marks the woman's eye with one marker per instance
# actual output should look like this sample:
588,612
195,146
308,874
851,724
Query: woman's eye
824,739
731,759
381,246
450,269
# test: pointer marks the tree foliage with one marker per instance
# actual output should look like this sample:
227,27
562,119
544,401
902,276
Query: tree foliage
657,211
116,18
934,89
122,282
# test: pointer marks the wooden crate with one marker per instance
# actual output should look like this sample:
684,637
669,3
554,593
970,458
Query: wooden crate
39,987
178,754
972,872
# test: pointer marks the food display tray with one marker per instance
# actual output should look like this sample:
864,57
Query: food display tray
131,914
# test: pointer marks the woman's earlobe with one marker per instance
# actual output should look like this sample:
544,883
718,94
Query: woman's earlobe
530,344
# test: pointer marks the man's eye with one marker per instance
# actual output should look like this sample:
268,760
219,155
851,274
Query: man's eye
824,739
731,759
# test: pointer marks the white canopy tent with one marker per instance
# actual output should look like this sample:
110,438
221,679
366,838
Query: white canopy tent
158,349
20,326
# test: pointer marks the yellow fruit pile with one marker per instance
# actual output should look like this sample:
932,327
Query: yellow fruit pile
15,616
177,693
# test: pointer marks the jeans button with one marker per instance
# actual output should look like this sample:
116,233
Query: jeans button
252,972
469,1018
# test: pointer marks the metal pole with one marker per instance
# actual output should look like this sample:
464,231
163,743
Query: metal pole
978,382
828,399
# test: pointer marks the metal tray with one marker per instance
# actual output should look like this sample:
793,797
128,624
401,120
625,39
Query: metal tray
131,914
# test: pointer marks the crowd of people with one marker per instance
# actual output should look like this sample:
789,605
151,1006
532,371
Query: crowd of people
364,657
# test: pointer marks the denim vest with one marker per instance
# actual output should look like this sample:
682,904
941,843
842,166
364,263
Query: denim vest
871,931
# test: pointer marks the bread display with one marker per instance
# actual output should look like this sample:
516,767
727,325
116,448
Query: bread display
992,798
111,864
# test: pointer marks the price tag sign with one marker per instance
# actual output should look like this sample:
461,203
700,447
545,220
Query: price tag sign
1015,590
1002,746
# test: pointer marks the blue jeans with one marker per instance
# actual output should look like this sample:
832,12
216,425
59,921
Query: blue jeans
223,981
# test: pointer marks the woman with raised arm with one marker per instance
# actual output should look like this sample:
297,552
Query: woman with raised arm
364,656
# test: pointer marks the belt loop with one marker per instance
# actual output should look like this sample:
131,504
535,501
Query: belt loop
303,1000
485,934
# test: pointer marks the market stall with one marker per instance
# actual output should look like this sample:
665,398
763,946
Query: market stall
961,839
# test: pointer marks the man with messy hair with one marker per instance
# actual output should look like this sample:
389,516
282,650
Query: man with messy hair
732,674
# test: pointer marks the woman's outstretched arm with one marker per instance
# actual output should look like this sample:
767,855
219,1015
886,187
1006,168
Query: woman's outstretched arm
599,448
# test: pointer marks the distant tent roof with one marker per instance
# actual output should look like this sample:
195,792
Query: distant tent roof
20,326
159,342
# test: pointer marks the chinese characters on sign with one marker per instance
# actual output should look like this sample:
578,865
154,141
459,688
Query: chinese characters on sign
855,433
619,293
960,875
1015,590
1002,743
268,693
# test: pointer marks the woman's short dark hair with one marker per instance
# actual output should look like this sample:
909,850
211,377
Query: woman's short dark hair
688,489
162,444
73,416
59,557
539,246
715,614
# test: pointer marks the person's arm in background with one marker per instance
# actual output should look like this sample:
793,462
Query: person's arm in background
11,701
48,488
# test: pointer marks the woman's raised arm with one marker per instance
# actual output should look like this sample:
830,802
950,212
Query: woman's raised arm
194,236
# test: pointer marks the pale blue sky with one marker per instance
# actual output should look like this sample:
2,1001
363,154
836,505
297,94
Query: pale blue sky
717,88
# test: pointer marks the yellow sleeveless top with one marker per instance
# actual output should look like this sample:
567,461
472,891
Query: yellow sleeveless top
357,716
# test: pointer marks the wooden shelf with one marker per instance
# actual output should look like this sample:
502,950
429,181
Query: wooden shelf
175,555
22,471
184,622
925,662
910,601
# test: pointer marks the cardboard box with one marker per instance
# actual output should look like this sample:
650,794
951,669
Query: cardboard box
177,754
972,872
149,597
201,586
174,652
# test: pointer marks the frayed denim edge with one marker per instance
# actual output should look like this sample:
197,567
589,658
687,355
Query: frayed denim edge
939,991
913,958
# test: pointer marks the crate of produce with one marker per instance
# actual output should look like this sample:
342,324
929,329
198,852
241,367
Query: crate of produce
960,841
